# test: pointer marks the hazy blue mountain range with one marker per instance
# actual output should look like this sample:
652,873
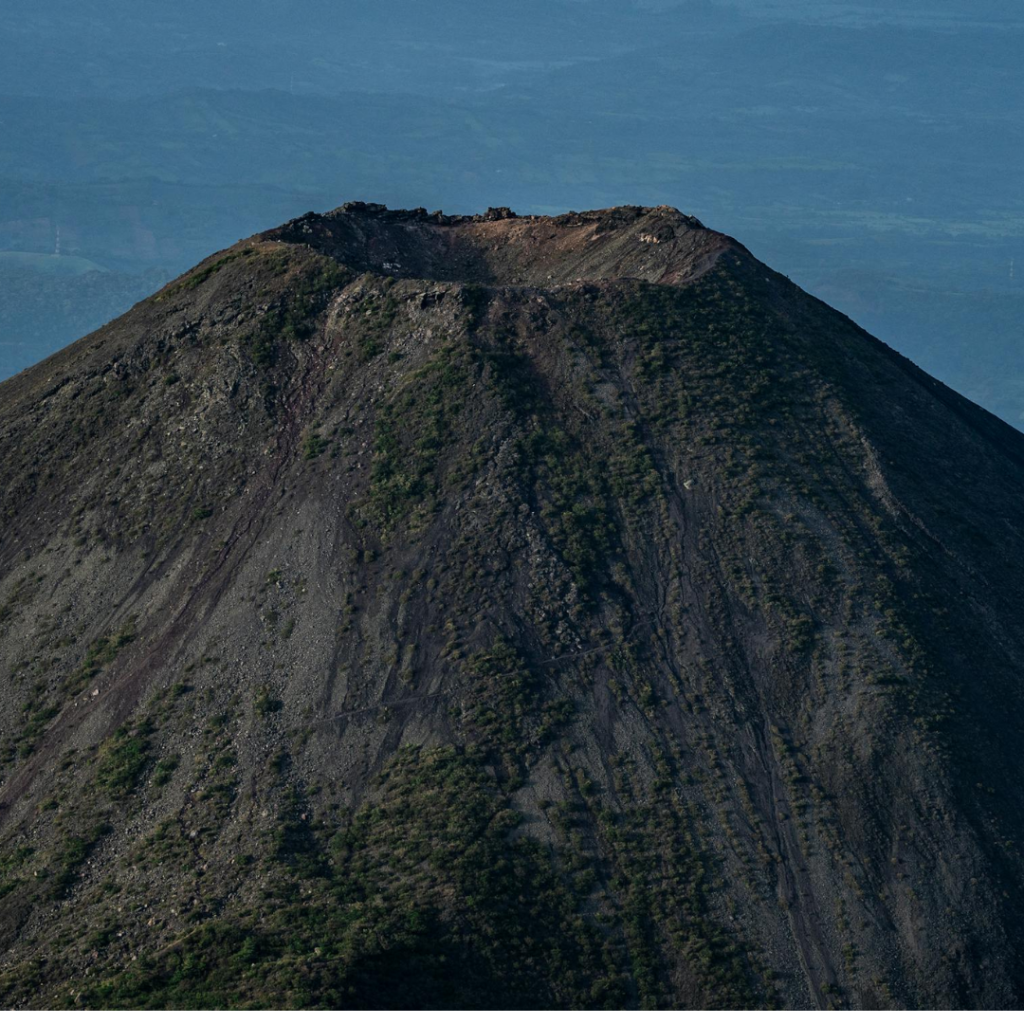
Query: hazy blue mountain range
871,153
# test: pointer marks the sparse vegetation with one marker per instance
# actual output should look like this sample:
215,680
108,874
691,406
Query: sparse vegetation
122,759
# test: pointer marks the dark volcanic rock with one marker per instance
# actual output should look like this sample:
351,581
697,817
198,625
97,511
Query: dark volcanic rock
405,610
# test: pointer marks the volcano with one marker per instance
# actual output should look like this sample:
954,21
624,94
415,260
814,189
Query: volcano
402,610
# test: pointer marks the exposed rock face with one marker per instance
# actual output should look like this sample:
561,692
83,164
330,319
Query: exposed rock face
500,249
410,610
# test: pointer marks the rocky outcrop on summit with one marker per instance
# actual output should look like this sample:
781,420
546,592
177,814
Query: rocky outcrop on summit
406,610
658,244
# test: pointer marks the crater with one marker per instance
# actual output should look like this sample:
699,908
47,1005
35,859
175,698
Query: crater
655,244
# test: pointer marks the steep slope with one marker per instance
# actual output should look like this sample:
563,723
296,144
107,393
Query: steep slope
410,610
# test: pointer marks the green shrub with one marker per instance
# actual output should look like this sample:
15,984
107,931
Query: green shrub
122,759
314,446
